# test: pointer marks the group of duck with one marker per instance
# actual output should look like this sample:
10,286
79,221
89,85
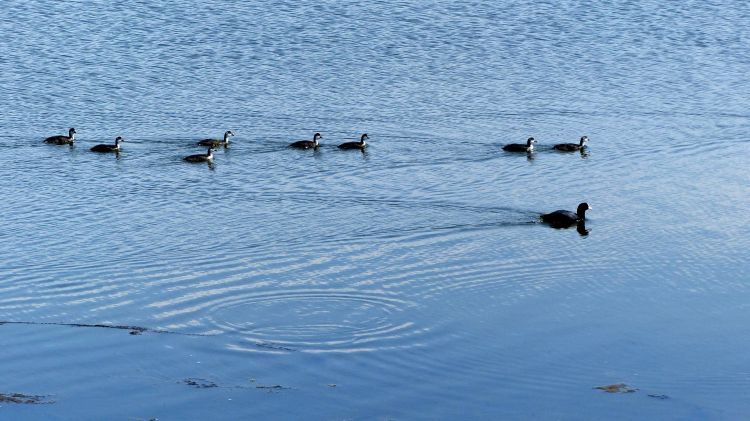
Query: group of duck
559,218
210,143
528,147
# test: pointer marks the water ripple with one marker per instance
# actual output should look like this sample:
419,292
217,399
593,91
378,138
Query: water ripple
326,320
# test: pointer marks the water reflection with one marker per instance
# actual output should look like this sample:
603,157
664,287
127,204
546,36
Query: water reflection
581,228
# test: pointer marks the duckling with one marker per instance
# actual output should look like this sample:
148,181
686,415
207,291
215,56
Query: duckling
109,148
570,147
62,140
520,147
355,145
207,157
216,142
307,144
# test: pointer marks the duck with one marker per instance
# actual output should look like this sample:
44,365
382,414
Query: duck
206,157
62,139
307,144
570,147
356,145
566,218
216,142
109,148
520,147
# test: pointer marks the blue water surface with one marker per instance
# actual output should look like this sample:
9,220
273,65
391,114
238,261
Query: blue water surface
412,281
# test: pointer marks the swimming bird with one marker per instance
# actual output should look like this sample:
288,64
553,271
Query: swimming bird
206,157
307,144
216,142
62,140
520,147
566,218
570,147
109,148
355,145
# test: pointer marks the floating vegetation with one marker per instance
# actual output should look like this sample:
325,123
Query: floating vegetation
134,330
24,399
274,388
270,345
200,383
617,388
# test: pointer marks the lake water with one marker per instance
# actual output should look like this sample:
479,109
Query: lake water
413,281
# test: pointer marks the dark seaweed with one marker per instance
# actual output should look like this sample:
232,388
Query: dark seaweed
24,399
134,330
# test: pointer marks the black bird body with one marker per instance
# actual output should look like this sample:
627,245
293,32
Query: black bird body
108,148
520,147
62,140
571,147
566,218
206,157
216,142
356,145
307,144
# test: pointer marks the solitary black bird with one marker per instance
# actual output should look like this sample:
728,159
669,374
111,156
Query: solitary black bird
206,157
520,147
566,218
307,144
62,140
216,142
570,147
355,145
109,148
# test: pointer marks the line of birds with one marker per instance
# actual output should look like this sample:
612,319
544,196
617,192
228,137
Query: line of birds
557,219
211,143
529,146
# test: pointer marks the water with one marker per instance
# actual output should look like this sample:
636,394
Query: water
410,282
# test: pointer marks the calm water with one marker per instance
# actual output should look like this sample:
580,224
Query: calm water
409,282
